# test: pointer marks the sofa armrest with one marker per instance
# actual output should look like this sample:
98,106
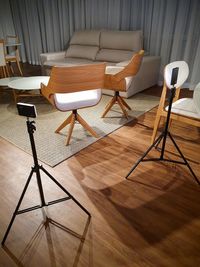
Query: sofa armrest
51,56
126,62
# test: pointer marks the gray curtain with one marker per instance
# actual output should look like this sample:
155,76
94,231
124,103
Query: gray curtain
171,27
6,20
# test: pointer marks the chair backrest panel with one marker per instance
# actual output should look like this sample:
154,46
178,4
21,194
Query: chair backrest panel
132,68
2,54
183,72
74,79
117,81
12,50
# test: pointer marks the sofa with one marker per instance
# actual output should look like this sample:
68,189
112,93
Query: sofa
113,47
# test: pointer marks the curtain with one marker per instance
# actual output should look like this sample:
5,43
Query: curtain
6,20
171,28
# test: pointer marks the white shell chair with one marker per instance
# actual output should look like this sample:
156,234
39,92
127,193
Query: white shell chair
185,109
73,88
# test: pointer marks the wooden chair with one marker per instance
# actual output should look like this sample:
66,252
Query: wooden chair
117,79
12,52
72,88
184,109
4,70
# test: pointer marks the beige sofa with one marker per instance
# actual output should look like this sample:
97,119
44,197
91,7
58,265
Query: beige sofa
114,47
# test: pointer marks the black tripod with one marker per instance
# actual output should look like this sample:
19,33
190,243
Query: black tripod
36,169
163,136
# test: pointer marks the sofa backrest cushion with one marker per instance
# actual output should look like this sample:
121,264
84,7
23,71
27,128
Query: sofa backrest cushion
87,37
82,51
113,55
122,40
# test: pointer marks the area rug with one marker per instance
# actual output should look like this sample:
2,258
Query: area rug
51,147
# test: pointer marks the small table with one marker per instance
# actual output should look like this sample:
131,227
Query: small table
5,81
21,86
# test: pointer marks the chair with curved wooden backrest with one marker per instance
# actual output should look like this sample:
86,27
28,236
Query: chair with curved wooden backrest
12,52
72,88
4,71
118,79
186,110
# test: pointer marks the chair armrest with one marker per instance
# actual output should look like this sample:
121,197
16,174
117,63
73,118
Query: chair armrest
51,56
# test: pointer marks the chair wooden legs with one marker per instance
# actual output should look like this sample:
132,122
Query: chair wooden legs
18,66
109,106
4,72
155,128
117,99
67,121
125,104
86,126
71,127
71,120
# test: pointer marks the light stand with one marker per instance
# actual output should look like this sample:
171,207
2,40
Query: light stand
163,137
36,169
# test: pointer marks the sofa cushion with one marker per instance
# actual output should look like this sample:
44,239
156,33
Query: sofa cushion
82,51
122,40
86,37
113,55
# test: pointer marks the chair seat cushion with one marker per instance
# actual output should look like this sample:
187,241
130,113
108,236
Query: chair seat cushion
185,107
10,56
196,97
73,101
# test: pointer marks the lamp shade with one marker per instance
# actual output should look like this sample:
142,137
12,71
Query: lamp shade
183,72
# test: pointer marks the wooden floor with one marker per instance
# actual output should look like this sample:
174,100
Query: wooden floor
150,220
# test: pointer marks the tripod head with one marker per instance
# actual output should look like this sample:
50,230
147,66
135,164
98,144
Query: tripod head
30,126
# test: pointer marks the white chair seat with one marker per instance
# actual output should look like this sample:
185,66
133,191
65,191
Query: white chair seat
10,56
185,107
77,100
196,97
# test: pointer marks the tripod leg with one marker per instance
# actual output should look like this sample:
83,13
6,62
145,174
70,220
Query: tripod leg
17,208
61,187
183,157
144,155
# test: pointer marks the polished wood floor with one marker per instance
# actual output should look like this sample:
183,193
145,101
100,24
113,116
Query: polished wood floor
151,219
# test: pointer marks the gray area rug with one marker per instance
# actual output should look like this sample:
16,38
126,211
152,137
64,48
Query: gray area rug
51,147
